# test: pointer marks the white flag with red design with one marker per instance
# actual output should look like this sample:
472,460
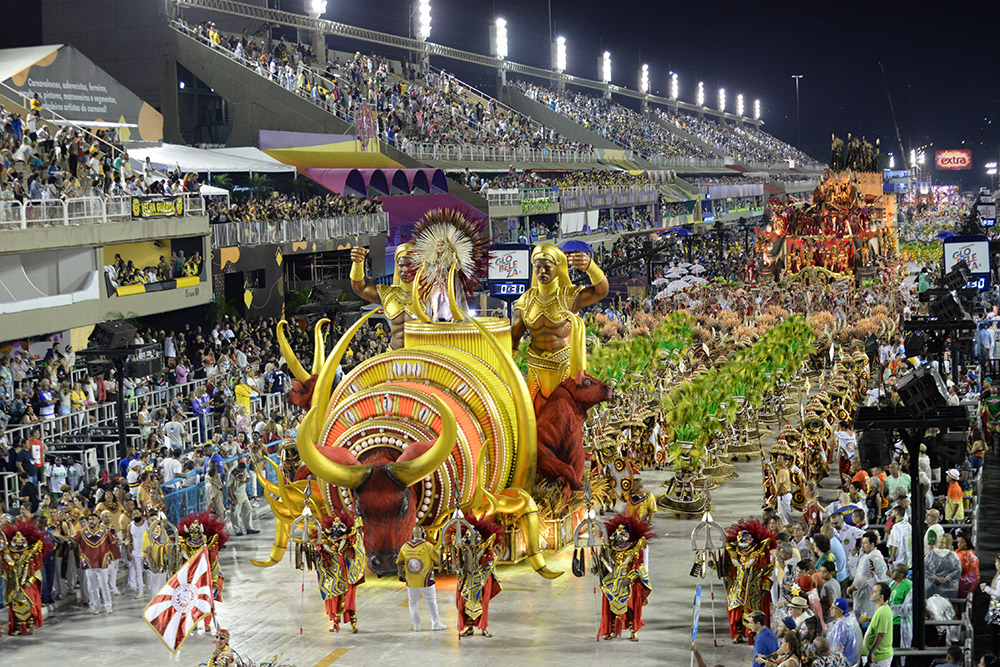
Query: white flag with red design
185,600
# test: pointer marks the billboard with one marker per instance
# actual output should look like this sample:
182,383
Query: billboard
953,160
975,250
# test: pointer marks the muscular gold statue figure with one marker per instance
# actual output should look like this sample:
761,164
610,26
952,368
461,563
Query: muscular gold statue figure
547,310
396,299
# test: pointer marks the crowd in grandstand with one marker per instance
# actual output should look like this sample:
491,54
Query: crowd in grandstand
618,124
433,109
279,207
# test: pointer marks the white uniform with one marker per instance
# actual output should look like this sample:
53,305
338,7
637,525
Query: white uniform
135,576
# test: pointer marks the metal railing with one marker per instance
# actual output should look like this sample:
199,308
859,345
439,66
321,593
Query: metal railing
34,213
229,234
438,152
690,162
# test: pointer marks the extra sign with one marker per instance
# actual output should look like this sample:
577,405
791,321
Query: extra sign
953,160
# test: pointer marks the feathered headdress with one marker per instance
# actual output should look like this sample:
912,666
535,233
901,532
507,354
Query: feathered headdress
346,517
210,523
31,532
635,527
756,529
446,234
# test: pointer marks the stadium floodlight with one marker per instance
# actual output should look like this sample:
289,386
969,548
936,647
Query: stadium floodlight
722,100
756,109
913,157
739,104
701,93
892,161
559,54
498,38
644,79
606,67
315,8
422,20
674,86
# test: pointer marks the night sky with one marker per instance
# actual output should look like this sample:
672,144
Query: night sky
937,63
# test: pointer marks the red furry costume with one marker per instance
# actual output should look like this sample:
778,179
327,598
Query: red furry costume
746,572
215,537
475,589
22,572
625,583
560,429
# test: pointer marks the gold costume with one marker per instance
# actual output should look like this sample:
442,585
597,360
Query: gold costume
396,300
553,301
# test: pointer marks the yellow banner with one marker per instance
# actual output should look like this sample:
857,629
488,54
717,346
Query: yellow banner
163,206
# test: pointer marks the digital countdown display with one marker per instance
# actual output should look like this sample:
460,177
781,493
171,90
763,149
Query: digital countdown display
510,271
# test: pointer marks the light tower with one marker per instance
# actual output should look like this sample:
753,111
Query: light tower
315,9
559,60
604,66
756,109
739,105
644,86
722,100
674,86
498,47
421,26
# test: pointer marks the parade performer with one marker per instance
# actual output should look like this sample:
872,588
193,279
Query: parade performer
640,504
746,573
223,655
97,552
23,549
477,583
548,312
782,455
203,529
417,559
452,251
624,578
397,298
340,567
156,545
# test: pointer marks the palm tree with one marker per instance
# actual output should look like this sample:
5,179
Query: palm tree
224,181
301,187
260,186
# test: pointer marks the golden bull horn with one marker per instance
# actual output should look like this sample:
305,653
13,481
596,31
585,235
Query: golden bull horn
294,364
319,346
344,476
409,473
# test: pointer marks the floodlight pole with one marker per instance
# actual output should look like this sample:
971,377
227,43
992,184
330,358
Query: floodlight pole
912,438
798,124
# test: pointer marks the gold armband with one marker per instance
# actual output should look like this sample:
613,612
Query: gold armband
595,273
358,271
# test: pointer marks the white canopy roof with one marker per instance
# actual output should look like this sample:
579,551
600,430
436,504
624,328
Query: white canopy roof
165,156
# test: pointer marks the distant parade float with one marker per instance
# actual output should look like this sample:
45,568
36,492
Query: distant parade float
841,230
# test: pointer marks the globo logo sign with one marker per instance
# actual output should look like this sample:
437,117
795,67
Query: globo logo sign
953,160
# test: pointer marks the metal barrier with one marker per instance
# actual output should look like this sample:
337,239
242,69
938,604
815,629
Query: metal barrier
179,501
78,211
465,153
672,162
259,232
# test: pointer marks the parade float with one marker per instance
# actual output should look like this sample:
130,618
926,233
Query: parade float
840,231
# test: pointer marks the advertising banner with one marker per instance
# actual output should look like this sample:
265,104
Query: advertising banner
158,206
953,160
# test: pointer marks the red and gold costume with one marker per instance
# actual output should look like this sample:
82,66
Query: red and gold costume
22,548
746,573
204,530
477,584
624,579
340,568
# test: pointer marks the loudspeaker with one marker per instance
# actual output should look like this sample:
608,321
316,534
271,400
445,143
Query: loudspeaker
951,448
112,335
922,390
144,367
946,307
874,449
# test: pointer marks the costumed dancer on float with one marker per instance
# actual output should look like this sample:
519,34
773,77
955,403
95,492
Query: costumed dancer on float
23,546
746,573
204,530
548,312
623,576
477,583
395,299
417,559
97,547
340,567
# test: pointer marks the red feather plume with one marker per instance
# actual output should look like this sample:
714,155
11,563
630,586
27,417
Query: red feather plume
635,527
758,530
32,533
211,523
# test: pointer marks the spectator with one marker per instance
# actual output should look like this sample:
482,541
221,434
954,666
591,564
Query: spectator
970,565
844,634
942,569
871,569
28,494
901,603
765,643
900,538
877,645
824,658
